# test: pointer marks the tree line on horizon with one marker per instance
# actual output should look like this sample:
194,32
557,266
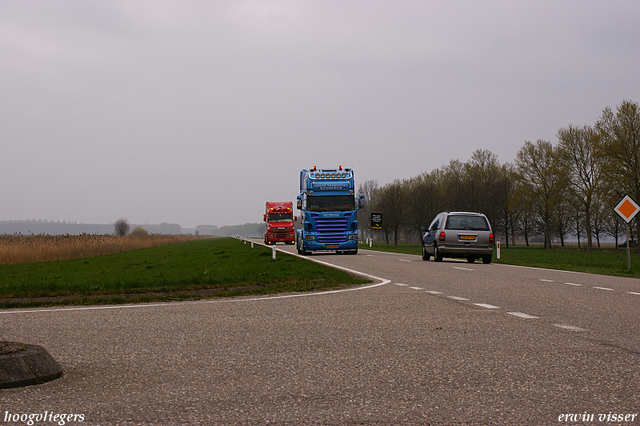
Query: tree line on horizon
551,190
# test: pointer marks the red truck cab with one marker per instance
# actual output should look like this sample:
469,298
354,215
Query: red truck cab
279,218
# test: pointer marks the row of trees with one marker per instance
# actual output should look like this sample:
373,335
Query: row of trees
550,190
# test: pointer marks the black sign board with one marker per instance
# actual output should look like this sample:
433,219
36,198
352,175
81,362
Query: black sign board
376,220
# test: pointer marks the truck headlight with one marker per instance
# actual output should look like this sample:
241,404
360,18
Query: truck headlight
353,236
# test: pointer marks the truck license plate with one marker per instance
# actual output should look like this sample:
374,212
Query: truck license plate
332,246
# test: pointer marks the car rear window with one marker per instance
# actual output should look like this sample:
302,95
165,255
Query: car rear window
472,223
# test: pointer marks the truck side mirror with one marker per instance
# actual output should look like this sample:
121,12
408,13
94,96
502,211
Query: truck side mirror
423,229
299,203
264,217
361,201
295,218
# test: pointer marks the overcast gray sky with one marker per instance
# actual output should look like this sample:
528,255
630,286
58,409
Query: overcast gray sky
197,112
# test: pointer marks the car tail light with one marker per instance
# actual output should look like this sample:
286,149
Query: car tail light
441,238
491,238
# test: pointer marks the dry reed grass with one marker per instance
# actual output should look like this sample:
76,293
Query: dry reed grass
15,249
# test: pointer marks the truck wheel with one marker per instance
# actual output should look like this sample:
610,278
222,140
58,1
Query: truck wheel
301,249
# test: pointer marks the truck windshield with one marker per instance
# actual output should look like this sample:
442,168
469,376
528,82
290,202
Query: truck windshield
280,217
334,203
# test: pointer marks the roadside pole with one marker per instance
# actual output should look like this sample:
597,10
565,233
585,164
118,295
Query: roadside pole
628,248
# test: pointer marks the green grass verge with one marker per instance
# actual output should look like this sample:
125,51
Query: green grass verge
191,270
604,261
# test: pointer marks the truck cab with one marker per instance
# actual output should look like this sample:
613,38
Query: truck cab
279,220
329,211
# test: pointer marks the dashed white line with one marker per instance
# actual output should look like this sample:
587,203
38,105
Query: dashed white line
574,284
522,315
462,269
604,288
569,327
416,288
402,285
631,292
404,260
434,292
457,298
546,281
486,305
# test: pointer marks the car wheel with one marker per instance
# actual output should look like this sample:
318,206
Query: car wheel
437,256
425,253
471,259
486,259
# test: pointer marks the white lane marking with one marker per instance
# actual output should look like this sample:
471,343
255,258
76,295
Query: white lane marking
402,285
546,281
434,292
404,260
462,269
457,298
574,284
416,288
522,315
569,327
604,288
369,255
631,292
539,269
486,305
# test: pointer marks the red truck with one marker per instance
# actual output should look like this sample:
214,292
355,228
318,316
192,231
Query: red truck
279,217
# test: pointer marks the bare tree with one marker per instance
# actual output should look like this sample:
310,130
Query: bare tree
579,147
122,227
423,199
621,150
505,187
391,202
543,181
367,189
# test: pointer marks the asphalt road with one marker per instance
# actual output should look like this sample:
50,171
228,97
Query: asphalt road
433,343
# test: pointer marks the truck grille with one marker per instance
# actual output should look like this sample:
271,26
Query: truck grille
331,230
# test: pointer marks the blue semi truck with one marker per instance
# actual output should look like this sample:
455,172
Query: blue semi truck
329,211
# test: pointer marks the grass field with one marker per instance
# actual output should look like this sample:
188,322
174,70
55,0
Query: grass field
190,270
605,261
17,249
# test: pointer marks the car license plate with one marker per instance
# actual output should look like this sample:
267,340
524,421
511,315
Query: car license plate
332,246
467,237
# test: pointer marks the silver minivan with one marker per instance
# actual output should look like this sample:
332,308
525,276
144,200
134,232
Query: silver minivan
458,234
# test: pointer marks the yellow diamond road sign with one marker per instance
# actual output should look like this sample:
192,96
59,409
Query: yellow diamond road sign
627,208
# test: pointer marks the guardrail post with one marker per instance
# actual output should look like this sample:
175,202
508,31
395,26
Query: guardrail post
498,249
251,244
273,252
